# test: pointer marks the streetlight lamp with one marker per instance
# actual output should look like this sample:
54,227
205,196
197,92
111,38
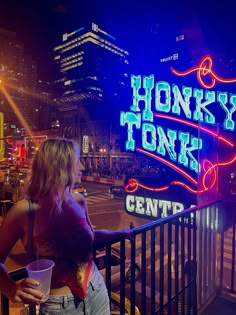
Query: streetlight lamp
103,153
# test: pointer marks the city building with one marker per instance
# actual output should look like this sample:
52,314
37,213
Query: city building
27,104
185,46
18,73
47,106
93,77
91,64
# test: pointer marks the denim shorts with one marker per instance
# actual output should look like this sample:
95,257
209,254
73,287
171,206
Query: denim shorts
96,301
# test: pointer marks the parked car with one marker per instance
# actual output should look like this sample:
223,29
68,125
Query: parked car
100,261
116,191
78,188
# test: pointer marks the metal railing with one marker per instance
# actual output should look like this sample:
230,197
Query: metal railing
174,265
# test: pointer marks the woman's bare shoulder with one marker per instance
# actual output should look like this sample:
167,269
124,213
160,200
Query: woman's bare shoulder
78,205
19,208
79,198
16,217
12,227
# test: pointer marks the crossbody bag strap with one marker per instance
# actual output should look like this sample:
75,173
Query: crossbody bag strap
30,245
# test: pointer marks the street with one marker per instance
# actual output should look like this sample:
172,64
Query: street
105,212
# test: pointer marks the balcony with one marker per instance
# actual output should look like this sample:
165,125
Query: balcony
186,261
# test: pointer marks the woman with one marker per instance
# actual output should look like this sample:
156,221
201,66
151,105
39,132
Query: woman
62,232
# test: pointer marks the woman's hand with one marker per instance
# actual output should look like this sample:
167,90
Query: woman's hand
25,291
127,233
104,236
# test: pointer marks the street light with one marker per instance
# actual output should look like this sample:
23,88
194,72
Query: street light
103,150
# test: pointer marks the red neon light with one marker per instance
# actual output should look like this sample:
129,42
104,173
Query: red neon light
207,166
188,123
173,166
211,168
204,68
133,185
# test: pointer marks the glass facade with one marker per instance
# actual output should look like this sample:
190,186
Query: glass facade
90,64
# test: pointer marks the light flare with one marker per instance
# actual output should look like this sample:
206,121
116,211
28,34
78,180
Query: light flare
16,110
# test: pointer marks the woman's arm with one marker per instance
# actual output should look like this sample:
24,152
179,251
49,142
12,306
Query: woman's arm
103,236
11,231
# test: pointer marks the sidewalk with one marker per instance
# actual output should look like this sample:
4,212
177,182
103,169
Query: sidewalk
220,306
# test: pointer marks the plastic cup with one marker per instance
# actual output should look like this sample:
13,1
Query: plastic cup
41,270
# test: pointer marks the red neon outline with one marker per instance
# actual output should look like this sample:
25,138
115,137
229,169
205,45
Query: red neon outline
207,167
204,68
173,166
211,168
133,184
188,123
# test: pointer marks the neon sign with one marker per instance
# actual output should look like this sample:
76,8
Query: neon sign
204,69
149,132
152,207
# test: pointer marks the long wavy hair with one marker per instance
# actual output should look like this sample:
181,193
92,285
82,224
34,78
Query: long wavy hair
53,172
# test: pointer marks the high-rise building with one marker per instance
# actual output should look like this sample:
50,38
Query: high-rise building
93,76
18,74
46,106
91,64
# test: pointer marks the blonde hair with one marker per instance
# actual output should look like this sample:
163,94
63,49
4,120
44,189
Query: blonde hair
53,172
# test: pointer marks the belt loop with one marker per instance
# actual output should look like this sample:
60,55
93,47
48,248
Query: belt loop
65,301
92,285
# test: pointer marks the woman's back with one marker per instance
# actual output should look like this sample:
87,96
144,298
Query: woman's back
66,235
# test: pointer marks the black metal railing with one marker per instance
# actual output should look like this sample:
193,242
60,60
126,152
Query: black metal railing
227,250
174,265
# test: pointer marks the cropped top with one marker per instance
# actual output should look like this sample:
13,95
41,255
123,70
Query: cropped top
66,271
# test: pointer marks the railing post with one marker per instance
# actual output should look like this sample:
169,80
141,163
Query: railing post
4,305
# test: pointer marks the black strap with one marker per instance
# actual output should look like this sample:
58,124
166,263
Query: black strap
30,245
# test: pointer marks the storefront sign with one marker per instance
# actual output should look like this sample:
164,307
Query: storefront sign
85,144
167,123
151,207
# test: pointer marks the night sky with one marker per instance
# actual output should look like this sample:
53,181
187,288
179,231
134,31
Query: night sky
40,23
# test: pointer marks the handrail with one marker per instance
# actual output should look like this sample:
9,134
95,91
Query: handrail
170,217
